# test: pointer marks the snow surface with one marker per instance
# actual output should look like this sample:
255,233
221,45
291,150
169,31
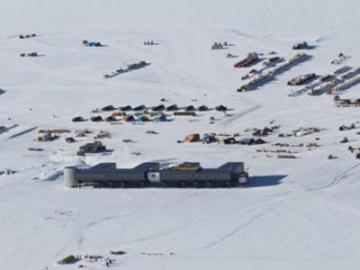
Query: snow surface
295,214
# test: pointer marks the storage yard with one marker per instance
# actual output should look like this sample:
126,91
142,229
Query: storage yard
262,79
179,134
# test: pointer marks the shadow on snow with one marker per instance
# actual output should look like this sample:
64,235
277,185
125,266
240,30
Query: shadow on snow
265,180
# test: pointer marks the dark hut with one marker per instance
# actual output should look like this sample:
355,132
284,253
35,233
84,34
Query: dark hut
129,118
203,108
125,108
140,108
118,114
96,118
108,108
221,108
230,140
110,118
158,108
190,108
172,108
78,119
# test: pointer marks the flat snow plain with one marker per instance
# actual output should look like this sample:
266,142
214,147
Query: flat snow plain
295,214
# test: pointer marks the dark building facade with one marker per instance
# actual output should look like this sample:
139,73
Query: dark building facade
150,174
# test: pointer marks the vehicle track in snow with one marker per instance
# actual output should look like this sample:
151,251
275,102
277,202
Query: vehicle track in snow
21,133
238,116
337,179
267,13
278,202
234,232
80,239
338,207
216,217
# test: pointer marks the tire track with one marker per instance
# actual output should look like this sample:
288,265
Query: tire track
234,232
22,133
246,224
239,115
81,238
239,209
336,180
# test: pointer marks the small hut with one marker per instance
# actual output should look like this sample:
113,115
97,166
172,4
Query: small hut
192,138
71,259
345,103
129,118
47,137
172,108
221,108
203,108
96,118
337,98
108,108
158,108
230,140
110,118
118,114
189,108
125,108
140,108
162,118
208,139
357,103
143,118
184,114
78,119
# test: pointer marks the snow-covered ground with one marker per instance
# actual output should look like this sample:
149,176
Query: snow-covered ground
295,214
